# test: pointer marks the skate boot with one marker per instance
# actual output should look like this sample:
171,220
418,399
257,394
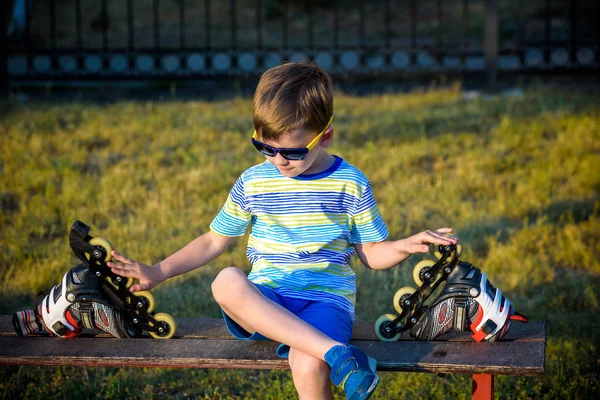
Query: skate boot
452,295
77,302
95,252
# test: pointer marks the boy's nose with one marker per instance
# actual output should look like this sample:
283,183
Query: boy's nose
279,160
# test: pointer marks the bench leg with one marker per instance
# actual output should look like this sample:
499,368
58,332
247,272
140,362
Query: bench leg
483,387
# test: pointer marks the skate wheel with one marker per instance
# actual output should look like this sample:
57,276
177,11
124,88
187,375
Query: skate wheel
128,282
145,298
103,245
165,326
401,295
420,269
380,326
436,251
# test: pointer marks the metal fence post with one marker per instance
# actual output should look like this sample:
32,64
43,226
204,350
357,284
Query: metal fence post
490,42
5,13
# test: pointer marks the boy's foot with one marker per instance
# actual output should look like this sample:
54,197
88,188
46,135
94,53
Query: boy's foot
353,370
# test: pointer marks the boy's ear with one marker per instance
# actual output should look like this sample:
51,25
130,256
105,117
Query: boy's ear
327,138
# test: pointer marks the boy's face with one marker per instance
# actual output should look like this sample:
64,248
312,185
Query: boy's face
314,160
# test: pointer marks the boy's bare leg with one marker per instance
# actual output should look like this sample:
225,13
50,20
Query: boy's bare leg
311,376
247,306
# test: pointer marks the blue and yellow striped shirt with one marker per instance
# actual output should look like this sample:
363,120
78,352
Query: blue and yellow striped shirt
303,229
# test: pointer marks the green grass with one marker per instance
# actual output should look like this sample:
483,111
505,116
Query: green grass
518,179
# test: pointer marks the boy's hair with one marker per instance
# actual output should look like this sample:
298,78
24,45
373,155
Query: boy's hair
292,96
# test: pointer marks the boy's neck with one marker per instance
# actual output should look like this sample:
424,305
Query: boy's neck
322,163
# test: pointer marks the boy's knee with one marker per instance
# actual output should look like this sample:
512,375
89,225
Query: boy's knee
227,281
307,368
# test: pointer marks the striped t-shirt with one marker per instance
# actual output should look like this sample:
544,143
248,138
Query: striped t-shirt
303,229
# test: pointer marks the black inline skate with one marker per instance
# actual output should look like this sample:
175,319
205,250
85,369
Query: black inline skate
452,295
91,296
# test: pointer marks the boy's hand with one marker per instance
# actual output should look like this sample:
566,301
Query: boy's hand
148,276
420,242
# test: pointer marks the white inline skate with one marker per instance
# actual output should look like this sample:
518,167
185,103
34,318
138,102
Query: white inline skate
452,295
91,296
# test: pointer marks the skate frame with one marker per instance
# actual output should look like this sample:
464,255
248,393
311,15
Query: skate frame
113,285
411,310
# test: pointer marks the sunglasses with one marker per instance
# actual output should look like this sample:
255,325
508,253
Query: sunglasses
292,154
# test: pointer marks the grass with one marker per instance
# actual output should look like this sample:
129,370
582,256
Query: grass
518,179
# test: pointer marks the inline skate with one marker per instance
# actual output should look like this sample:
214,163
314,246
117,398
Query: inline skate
452,295
91,296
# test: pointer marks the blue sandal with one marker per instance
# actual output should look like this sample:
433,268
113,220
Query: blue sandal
353,370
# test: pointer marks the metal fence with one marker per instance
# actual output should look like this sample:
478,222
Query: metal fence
141,39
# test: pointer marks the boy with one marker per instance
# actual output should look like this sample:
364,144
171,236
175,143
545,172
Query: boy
309,211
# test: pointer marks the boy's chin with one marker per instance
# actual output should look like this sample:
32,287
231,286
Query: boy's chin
290,173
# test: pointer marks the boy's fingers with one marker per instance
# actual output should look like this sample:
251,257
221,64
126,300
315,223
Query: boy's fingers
120,257
139,287
114,265
444,230
439,238
123,260
418,248
124,272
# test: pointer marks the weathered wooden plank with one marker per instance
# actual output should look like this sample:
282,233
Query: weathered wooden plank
6,328
507,358
214,328
504,358
206,343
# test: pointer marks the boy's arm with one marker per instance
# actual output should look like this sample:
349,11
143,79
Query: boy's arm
386,254
197,253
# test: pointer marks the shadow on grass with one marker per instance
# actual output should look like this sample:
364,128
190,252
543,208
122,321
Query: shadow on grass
474,116
557,213
575,210
567,304
477,115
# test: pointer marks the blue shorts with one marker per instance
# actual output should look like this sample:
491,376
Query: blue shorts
326,317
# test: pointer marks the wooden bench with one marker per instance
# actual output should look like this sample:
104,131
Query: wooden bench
206,343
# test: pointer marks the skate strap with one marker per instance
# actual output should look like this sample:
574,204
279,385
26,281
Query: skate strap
86,315
75,324
460,313
488,327
478,336
519,317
